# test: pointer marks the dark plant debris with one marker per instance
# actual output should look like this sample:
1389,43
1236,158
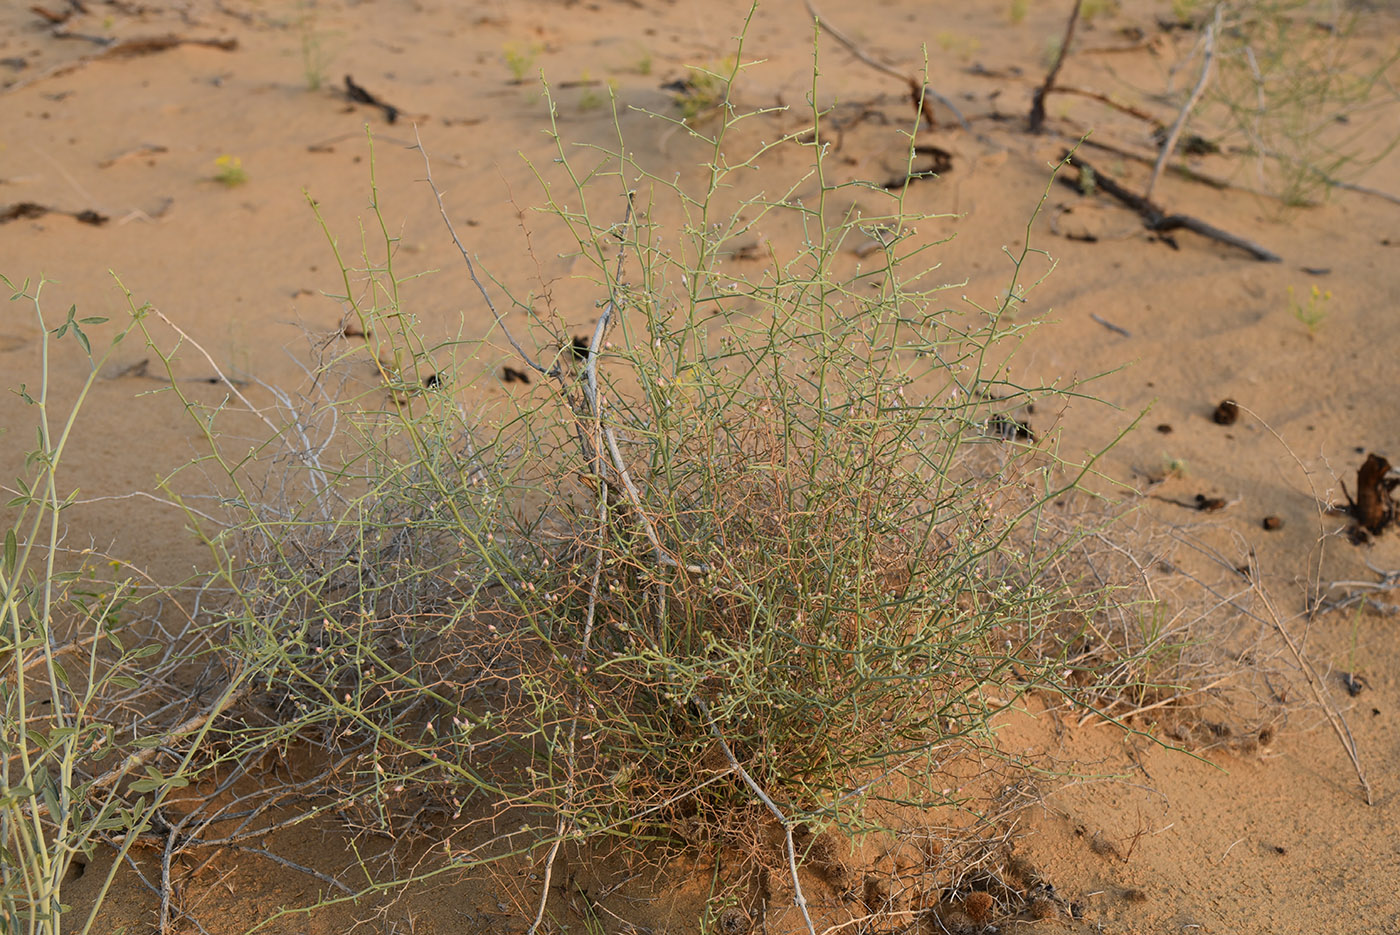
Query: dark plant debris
1373,508
940,162
28,209
1004,426
1226,413
359,95
1210,504
1154,217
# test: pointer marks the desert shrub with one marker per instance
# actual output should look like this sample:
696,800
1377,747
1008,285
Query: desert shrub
762,550
766,533
88,693
1299,89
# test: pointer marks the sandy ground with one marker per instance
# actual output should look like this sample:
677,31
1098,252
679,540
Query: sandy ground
1242,839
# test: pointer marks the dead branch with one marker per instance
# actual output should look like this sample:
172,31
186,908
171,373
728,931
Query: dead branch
28,210
169,737
581,657
798,898
126,48
1104,99
1186,222
1037,117
615,458
359,95
1169,144
1359,189
292,865
136,869
1315,683
1358,592
1275,622
1117,329
149,45
919,92
172,834
1185,172
1193,175
940,162
1156,219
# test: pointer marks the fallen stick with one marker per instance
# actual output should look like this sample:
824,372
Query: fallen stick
359,95
149,45
919,92
1185,172
1102,98
127,48
145,149
51,16
24,210
1156,219
1118,329
1359,189
144,755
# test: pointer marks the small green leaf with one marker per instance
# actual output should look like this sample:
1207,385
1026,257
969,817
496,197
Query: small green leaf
11,549
94,320
51,802
59,734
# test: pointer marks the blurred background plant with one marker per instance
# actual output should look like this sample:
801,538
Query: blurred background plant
315,57
1299,89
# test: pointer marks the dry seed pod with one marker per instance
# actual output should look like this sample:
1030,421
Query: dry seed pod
978,907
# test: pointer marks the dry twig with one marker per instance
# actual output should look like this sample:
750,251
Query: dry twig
798,897
919,91
1315,684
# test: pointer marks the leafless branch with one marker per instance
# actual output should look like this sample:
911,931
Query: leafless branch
1334,716
919,91
1169,144
1037,118
471,270
798,897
